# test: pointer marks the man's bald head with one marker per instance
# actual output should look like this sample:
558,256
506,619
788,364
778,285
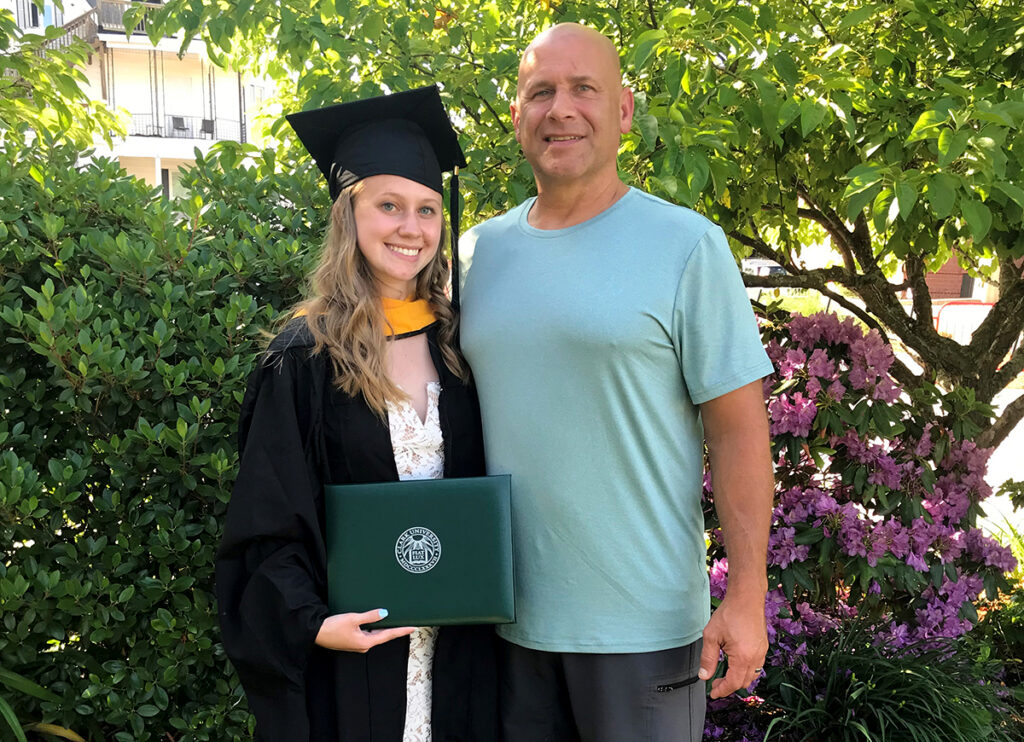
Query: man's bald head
601,48
571,110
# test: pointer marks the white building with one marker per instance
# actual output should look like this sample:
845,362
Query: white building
173,104
33,20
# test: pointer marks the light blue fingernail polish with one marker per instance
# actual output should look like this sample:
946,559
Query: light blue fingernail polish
383,612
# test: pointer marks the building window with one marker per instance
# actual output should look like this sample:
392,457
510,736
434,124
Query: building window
26,14
165,181
966,286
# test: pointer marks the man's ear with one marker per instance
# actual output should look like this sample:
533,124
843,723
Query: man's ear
626,110
513,109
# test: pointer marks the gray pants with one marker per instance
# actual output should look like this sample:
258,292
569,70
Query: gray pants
570,697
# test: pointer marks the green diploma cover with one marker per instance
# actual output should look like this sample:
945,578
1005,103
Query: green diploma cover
433,552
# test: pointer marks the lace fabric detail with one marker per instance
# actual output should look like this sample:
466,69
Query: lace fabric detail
419,685
417,444
419,454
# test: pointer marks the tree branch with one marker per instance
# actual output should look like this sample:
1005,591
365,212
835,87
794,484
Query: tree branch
1009,370
997,335
922,295
860,243
828,219
494,113
824,29
1001,428
817,279
887,315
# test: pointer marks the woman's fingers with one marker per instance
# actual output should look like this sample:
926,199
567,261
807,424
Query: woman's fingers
344,632
371,616
385,635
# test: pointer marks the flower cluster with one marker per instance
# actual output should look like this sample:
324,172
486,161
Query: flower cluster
876,502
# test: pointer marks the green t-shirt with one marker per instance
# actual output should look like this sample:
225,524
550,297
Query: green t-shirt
591,347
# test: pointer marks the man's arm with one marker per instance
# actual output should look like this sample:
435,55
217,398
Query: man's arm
736,431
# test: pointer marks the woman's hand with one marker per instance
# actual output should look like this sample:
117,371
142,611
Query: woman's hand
341,631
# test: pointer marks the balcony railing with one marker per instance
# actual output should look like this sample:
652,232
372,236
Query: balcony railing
110,15
106,17
184,127
83,27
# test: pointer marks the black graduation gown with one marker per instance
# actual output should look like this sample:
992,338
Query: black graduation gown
296,430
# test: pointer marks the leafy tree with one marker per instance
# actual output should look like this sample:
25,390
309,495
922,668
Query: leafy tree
890,131
41,96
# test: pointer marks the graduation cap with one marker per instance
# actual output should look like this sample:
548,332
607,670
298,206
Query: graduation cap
406,134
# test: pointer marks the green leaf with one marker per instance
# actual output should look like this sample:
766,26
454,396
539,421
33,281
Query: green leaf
12,721
969,611
941,194
858,16
788,581
697,171
978,217
812,114
926,125
1014,192
648,126
810,536
644,45
858,201
373,26
14,681
862,177
884,210
951,145
860,478
674,75
906,196
786,67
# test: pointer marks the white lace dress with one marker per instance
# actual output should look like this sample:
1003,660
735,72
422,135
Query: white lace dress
419,454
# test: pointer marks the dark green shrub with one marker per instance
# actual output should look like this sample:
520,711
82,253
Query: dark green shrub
130,324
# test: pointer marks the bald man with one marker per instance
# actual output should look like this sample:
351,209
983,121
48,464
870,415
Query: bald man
610,337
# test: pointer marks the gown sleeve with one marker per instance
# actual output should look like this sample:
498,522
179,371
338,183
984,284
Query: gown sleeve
271,564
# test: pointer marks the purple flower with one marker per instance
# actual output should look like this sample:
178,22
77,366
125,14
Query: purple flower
893,537
792,363
947,546
792,414
988,551
885,390
917,562
783,550
836,390
718,576
821,365
925,445
887,473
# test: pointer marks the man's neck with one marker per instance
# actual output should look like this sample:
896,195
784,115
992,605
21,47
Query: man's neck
561,206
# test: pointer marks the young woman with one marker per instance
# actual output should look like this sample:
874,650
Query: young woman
366,384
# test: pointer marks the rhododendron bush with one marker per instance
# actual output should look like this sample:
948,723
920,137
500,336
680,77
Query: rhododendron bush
878,493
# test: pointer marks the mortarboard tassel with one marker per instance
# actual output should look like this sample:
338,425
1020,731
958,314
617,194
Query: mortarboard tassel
453,213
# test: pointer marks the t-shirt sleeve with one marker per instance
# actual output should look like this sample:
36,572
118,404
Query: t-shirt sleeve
714,329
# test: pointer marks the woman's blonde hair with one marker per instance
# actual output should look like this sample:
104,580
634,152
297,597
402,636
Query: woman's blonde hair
345,316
